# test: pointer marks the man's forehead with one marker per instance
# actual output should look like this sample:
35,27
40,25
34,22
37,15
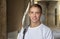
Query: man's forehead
34,9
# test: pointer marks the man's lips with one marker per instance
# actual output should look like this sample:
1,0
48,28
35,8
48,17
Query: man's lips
34,18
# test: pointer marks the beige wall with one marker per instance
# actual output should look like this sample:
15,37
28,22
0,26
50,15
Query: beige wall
51,13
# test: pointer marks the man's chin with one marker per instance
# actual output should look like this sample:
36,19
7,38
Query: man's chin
34,21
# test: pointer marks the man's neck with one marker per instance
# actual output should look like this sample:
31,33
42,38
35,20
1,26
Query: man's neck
35,24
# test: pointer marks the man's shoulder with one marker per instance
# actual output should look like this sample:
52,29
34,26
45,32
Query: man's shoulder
46,28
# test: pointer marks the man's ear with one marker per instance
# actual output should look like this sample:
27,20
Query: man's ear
40,13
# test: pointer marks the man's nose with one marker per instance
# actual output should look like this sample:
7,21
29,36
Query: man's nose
34,14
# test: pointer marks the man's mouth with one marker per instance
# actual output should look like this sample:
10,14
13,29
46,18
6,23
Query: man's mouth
34,18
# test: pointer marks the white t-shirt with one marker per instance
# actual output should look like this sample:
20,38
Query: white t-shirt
39,32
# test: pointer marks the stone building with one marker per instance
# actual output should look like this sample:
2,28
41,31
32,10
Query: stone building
12,12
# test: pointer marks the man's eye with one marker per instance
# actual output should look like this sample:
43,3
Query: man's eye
31,12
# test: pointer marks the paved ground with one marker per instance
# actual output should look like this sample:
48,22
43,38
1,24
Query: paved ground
12,35
56,33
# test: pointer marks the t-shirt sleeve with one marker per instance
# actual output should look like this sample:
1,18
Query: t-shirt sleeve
20,34
49,35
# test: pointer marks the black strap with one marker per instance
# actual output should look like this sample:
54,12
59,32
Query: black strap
24,32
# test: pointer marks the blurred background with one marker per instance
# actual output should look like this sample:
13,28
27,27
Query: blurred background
13,15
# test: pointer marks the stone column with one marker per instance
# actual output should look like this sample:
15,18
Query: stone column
58,17
3,33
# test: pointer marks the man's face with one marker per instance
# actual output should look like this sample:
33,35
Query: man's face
34,14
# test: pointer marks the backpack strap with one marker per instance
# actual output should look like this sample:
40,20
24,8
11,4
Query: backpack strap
24,32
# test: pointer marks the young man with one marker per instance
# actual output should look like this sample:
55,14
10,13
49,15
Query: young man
36,29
